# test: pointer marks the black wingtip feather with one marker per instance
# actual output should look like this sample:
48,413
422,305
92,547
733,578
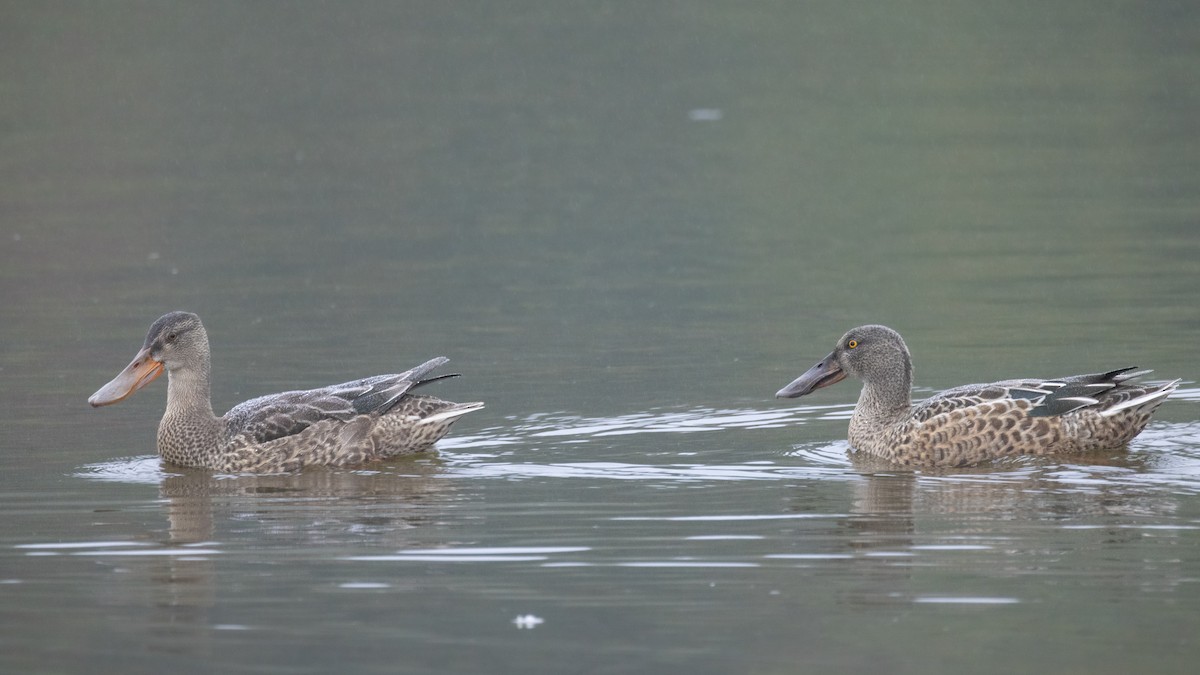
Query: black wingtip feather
421,383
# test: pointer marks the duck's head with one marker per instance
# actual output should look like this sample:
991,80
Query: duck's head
869,353
176,340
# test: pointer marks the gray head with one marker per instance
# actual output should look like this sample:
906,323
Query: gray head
175,341
870,353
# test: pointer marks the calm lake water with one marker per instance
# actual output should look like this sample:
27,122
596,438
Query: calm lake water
627,225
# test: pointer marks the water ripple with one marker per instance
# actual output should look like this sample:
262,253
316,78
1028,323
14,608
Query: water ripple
964,600
1165,456
671,421
644,472
145,470
473,554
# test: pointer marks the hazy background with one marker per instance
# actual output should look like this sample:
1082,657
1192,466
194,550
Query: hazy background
603,213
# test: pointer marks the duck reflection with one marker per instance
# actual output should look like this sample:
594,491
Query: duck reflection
904,524
317,506
336,510
1027,489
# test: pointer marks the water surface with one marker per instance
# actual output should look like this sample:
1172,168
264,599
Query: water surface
627,225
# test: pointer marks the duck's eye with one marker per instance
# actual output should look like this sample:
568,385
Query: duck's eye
851,344
171,337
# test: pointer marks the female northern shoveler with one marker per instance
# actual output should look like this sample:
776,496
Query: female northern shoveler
343,424
977,422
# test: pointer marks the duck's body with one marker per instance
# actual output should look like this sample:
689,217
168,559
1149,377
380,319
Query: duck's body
978,422
341,425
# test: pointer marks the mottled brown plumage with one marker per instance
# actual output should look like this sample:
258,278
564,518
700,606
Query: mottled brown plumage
340,425
977,422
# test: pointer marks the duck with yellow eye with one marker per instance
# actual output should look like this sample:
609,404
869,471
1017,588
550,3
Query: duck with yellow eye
978,422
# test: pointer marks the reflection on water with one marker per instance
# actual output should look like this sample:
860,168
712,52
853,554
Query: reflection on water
1164,455
991,539
322,507
887,531
474,554
178,573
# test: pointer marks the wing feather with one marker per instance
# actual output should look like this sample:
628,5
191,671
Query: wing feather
268,418
1111,391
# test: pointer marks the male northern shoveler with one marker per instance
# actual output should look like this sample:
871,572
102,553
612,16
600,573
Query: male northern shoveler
343,424
977,422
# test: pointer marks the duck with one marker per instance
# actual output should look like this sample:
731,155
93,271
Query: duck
352,423
976,423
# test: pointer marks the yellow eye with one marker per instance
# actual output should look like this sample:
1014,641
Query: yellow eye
851,344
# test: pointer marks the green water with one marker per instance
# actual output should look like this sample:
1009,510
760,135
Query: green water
627,225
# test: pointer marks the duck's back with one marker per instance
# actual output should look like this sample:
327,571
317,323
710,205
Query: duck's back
340,425
978,422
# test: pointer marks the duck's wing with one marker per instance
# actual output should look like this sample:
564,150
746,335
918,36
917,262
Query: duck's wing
1007,395
1108,393
275,416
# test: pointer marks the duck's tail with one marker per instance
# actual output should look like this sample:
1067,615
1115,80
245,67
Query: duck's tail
454,411
1146,401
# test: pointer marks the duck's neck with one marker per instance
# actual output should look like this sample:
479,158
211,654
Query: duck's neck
886,397
189,430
